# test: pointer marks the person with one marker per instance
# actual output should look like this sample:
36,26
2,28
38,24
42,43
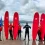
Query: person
0,32
44,37
10,31
27,30
39,32
19,31
1,26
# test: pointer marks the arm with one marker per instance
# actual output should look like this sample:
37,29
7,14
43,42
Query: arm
24,27
30,27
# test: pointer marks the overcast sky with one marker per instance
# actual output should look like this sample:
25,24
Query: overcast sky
25,8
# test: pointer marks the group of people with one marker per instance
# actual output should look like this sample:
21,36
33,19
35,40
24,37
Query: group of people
19,30
26,27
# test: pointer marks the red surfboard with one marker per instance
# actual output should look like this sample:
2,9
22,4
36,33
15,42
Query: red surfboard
15,24
42,25
35,25
6,24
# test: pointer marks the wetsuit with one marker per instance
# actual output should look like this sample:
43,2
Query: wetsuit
39,33
27,30
10,31
19,31
44,37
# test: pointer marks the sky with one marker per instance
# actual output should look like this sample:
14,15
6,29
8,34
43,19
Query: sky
25,8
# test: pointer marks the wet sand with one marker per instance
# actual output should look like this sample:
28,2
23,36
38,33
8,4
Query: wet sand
20,42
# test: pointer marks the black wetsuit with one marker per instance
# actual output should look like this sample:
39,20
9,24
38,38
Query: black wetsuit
39,34
10,31
19,31
19,34
27,30
11,35
44,37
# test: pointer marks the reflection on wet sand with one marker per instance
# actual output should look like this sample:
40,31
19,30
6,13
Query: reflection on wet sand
34,43
26,43
44,42
41,43
20,42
